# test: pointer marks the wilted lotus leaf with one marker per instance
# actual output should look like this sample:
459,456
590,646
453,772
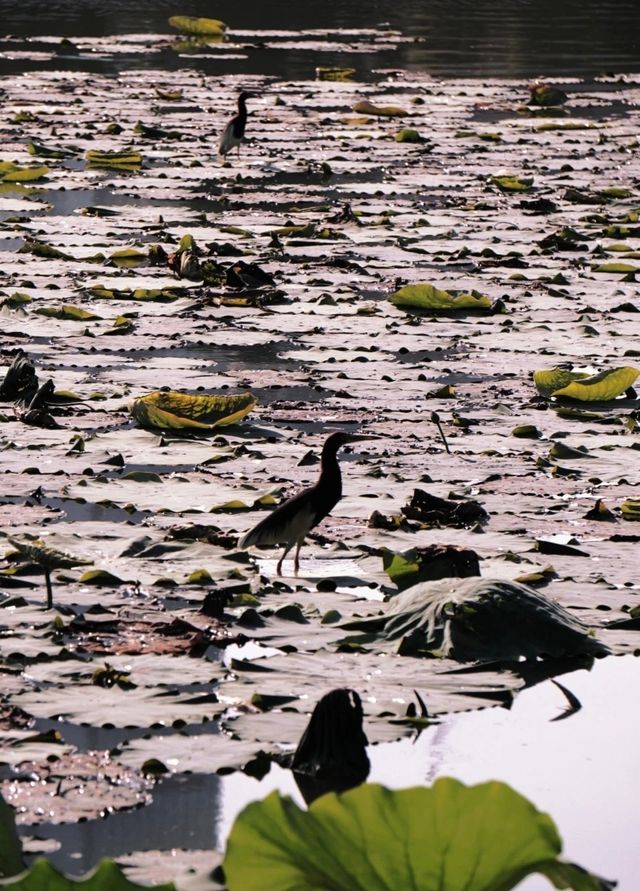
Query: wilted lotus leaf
444,838
481,619
549,380
337,74
11,172
168,409
600,387
36,148
199,27
408,135
129,159
546,95
66,311
426,296
512,183
384,111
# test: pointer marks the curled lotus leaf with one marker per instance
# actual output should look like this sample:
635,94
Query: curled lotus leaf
199,27
67,311
408,135
510,183
426,296
168,409
10,172
550,380
601,387
383,111
126,160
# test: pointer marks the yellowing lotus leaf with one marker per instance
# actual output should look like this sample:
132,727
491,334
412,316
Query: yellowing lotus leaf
199,27
168,409
14,173
601,387
125,160
66,311
549,380
426,296
620,267
384,111
512,183
630,508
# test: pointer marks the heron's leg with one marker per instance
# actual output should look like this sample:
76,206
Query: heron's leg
296,559
47,578
287,548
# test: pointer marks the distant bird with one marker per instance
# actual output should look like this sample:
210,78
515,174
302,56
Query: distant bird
233,133
292,520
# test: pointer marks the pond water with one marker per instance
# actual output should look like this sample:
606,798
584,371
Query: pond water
481,38
557,764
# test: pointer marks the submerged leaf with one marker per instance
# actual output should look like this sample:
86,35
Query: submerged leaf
601,387
448,837
168,409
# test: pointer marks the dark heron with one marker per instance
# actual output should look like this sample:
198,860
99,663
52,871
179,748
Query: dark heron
291,521
233,133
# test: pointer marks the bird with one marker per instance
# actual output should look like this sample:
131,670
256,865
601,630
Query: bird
292,520
233,133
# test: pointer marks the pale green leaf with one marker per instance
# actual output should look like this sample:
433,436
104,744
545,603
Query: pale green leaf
601,387
426,296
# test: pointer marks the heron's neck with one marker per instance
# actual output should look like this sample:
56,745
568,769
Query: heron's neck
330,476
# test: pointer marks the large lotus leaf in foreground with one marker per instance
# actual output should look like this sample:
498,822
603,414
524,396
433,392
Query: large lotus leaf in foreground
577,385
170,410
449,837
482,619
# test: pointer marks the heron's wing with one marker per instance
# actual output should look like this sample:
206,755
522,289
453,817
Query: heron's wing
287,524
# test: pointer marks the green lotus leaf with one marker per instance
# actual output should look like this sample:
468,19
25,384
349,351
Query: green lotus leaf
102,578
335,74
125,160
384,111
549,380
616,267
601,387
199,27
107,876
408,135
512,183
426,296
545,95
128,257
630,508
449,837
66,311
15,173
168,409
527,431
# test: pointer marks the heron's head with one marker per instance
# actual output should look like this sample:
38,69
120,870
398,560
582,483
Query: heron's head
340,437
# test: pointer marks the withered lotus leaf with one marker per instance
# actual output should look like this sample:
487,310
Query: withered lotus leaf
168,409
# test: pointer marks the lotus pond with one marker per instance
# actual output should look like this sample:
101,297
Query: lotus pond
447,264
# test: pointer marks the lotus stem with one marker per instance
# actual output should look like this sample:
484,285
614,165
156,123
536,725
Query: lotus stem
47,578
435,417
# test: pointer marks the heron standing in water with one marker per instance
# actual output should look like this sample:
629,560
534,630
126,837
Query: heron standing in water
233,133
292,520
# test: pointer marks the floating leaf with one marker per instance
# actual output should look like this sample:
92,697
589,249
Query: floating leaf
445,838
601,387
125,160
102,578
335,74
15,173
615,267
512,183
128,257
385,111
546,95
426,296
408,135
630,508
66,311
168,409
549,380
527,431
199,27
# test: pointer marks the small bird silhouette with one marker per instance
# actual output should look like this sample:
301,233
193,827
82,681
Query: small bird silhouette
292,520
233,133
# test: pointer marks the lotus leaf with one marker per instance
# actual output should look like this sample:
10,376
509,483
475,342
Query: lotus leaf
408,135
512,183
546,95
601,387
481,619
14,173
336,74
66,311
449,837
199,27
549,380
168,409
616,267
631,509
426,296
385,111
125,160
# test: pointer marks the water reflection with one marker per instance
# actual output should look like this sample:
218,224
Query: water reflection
481,38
